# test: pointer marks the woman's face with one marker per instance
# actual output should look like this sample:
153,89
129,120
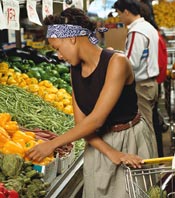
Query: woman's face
66,49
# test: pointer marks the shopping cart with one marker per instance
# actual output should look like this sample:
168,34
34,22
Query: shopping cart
152,180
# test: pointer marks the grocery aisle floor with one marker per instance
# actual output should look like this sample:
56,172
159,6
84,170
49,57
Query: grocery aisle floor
167,143
166,136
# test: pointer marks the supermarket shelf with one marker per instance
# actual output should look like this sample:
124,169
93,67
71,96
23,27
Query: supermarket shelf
69,183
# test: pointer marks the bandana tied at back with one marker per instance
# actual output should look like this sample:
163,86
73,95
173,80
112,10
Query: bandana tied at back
68,30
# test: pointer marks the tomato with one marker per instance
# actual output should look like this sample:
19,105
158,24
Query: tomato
2,195
13,194
3,190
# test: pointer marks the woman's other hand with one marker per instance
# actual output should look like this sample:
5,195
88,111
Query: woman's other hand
124,158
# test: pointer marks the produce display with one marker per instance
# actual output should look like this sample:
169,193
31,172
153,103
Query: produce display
57,74
35,106
19,179
32,112
164,13
59,98
15,141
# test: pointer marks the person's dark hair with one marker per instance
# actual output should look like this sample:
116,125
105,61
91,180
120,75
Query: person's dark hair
146,13
131,5
73,16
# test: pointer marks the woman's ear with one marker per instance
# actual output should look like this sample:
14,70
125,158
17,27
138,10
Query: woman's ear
73,40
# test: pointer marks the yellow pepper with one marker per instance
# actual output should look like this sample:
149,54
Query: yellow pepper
11,81
21,135
4,79
11,127
59,105
3,67
49,97
30,133
66,101
33,88
52,90
4,118
4,132
4,137
22,83
30,144
68,110
24,76
21,142
33,81
46,83
45,161
11,147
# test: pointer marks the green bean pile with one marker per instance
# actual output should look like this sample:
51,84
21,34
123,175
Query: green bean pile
31,111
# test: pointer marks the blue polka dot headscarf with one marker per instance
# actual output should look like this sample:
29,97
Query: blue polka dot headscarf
68,30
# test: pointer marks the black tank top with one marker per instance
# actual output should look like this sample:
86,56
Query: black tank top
87,90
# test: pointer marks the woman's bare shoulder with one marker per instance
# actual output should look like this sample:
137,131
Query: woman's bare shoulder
119,58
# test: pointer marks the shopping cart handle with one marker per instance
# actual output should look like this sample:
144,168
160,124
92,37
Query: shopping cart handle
158,160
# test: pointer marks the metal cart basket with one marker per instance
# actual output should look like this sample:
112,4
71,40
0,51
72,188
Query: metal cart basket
151,181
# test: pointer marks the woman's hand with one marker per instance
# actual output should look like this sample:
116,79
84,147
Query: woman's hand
124,158
40,151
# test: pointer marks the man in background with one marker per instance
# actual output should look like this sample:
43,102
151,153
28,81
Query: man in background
142,51
158,121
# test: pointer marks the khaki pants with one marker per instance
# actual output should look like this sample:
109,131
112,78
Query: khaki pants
147,92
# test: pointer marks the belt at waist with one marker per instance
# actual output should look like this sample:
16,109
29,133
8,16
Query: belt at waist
120,127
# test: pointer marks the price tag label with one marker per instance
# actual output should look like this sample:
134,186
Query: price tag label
47,8
3,25
32,12
11,14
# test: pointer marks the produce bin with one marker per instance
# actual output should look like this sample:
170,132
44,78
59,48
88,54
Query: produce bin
69,183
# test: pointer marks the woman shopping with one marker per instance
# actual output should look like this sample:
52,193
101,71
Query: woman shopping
105,106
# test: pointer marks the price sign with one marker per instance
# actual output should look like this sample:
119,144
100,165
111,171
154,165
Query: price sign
32,12
11,13
3,25
47,8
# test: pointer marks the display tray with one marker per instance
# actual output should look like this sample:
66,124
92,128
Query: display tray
66,183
